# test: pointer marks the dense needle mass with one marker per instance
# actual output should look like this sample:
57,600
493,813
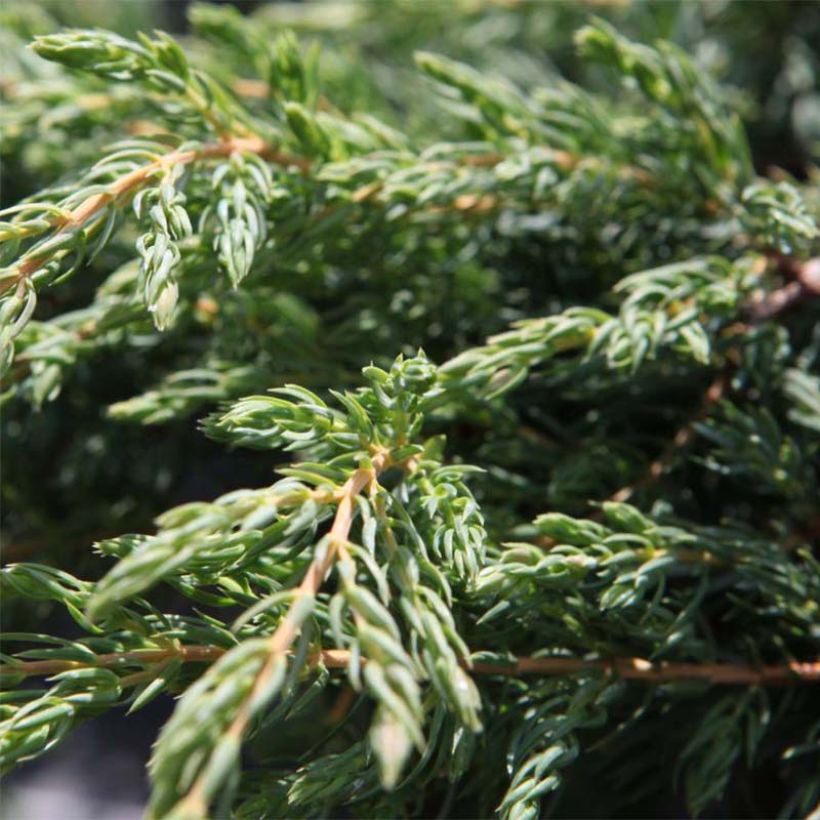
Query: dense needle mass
535,361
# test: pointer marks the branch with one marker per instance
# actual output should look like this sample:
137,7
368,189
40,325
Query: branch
680,440
188,654
631,668
805,285
640,669
628,668
128,184
283,637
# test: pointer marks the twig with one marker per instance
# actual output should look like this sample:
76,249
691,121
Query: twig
188,654
128,184
805,285
340,709
629,668
283,637
640,669
246,87
682,438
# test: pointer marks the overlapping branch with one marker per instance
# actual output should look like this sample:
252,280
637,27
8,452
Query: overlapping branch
737,674
127,186
279,643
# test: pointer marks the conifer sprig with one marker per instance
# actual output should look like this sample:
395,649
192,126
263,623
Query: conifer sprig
634,555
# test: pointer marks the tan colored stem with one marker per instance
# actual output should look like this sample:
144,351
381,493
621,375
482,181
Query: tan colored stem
630,668
805,286
682,438
640,669
281,640
128,184
112,659
258,89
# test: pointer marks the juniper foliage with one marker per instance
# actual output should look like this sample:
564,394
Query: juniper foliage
536,362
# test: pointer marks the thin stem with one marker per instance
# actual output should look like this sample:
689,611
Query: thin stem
188,654
629,668
281,640
640,669
804,286
130,183
681,440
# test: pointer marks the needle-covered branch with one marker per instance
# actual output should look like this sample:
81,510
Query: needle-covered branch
623,311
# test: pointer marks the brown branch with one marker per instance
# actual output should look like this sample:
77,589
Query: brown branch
640,669
188,654
682,438
128,184
342,705
280,641
258,89
804,286
628,668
